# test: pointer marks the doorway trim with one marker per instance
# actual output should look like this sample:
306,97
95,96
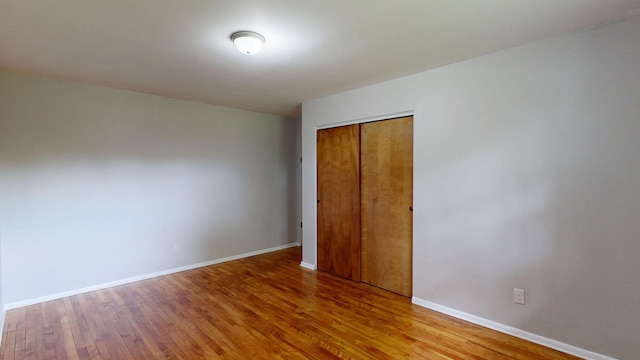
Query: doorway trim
366,120
388,116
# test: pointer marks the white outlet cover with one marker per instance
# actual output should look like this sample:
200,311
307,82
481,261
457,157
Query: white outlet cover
518,296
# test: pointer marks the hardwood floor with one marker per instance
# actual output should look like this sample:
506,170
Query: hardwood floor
265,306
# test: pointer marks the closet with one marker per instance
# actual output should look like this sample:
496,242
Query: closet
365,194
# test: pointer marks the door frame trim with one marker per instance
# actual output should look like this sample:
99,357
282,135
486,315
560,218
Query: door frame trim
313,156
366,120
388,116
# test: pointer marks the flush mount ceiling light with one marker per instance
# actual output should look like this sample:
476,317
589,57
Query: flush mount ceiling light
247,42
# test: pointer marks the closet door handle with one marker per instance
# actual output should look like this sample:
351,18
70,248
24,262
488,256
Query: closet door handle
410,208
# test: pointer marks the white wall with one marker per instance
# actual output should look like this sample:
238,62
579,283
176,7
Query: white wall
526,174
96,184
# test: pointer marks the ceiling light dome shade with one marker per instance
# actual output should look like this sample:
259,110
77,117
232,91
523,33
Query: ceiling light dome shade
248,42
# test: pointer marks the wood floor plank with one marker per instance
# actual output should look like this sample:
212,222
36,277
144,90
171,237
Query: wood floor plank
88,306
80,341
265,306
12,319
67,333
20,335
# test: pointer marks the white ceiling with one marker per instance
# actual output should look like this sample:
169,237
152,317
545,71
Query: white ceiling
314,48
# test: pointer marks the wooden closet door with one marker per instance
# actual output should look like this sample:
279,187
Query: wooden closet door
339,201
387,195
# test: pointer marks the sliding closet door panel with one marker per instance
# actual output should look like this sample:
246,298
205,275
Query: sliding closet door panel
387,195
339,201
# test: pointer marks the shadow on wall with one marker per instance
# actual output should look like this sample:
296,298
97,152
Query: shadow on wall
533,212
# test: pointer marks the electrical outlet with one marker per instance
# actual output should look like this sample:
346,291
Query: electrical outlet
176,246
518,296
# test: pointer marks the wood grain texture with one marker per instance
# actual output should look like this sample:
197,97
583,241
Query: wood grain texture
387,196
339,201
265,306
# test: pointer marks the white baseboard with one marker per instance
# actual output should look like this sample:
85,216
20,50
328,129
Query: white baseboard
38,300
306,265
550,343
